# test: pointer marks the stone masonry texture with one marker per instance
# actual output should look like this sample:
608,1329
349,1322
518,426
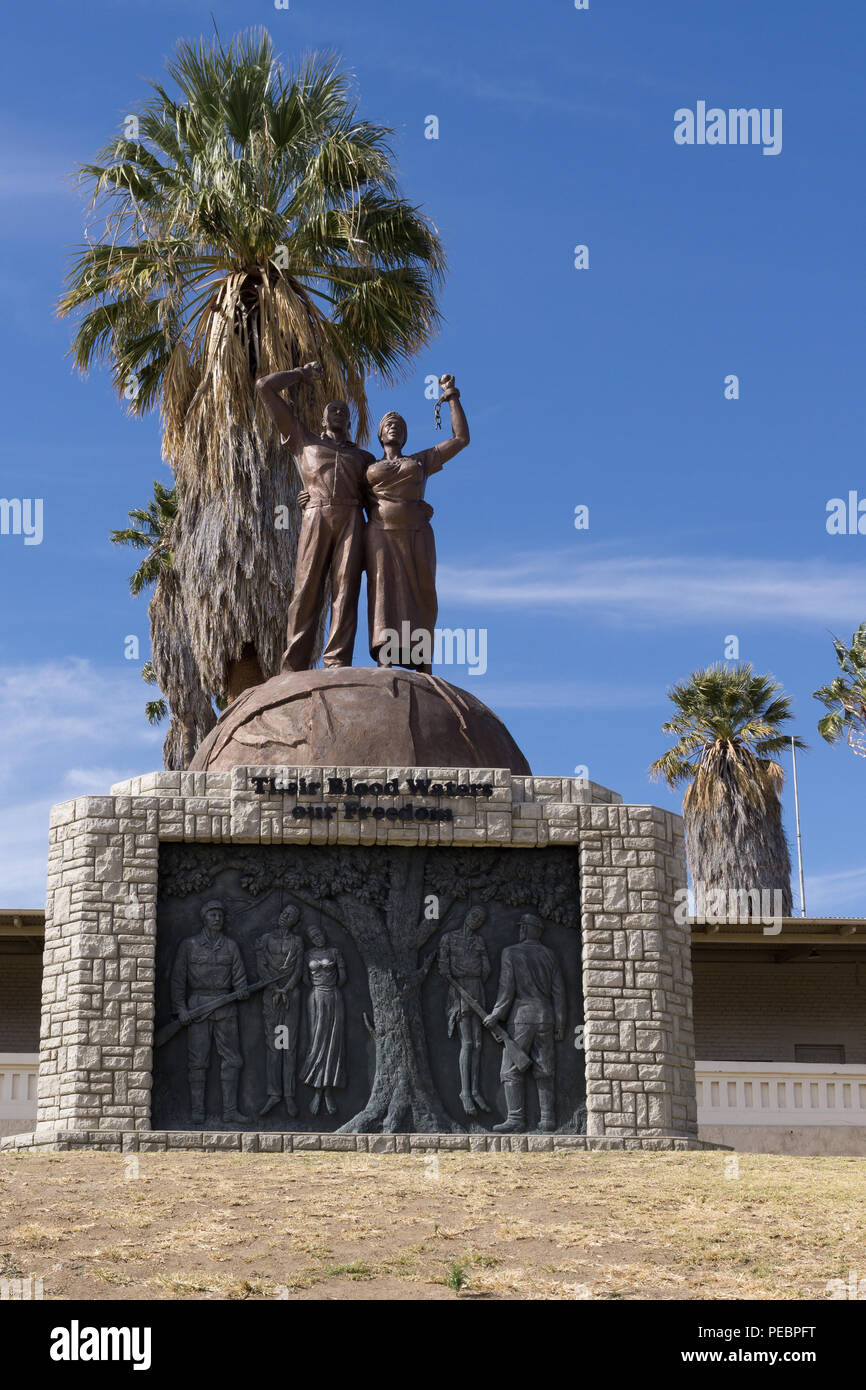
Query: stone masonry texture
100,934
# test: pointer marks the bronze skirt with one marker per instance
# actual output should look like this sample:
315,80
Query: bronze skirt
401,582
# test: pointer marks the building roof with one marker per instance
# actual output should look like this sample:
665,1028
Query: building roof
24,921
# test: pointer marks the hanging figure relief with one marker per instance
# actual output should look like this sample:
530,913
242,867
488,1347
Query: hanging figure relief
280,959
465,966
324,1066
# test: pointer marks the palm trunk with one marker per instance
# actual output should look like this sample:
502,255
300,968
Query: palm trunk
740,849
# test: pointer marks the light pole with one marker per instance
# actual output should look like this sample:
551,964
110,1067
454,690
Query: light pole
799,841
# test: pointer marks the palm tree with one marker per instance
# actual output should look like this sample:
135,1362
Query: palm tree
728,728
172,665
253,223
845,696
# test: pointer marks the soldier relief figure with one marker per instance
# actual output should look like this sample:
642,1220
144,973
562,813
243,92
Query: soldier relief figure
531,997
208,976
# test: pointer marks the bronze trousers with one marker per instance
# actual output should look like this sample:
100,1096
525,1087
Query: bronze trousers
331,543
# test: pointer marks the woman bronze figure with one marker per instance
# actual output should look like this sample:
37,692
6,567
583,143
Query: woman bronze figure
399,545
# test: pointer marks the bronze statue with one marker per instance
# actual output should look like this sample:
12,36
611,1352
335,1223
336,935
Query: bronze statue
208,968
464,962
280,954
331,542
532,996
400,552
324,1064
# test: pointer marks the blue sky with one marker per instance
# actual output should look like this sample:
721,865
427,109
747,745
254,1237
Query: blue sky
602,387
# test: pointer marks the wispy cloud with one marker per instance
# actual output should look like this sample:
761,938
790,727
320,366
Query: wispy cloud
66,729
841,894
671,590
573,695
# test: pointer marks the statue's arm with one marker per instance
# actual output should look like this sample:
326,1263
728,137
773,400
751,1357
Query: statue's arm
239,974
459,426
444,955
560,1004
262,963
283,414
505,996
485,962
296,968
178,980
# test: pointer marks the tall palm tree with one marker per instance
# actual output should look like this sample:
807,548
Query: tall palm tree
728,728
845,696
172,665
252,224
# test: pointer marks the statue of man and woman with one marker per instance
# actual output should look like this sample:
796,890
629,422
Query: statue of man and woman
395,545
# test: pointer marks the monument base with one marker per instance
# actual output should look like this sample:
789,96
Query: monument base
227,1141
381,866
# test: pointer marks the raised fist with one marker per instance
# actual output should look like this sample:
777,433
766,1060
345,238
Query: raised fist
447,382
313,371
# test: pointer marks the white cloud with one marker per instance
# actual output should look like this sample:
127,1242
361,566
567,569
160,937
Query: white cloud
841,894
66,729
91,781
57,703
671,590
23,853
563,695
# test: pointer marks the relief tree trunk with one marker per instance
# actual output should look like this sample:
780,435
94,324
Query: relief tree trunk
403,1095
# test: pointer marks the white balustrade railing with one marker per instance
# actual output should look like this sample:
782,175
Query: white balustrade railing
728,1093
18,1071
781,1093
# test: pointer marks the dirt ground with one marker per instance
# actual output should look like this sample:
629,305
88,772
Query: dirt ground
482,1226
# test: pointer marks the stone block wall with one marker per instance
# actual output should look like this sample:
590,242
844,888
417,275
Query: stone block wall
100,932
637,976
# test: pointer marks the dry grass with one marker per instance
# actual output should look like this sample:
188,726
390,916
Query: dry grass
510,1226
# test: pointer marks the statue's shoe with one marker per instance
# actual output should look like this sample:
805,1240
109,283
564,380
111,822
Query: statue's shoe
269,1105
516,1125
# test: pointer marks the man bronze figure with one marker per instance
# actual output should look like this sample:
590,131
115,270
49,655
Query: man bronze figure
331,541
208,967
532,996
281,953
463,958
